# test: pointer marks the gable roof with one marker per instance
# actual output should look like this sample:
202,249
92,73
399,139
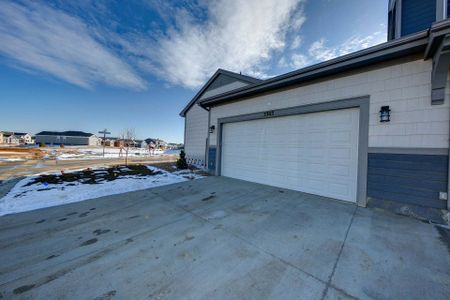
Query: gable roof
237,76
66,133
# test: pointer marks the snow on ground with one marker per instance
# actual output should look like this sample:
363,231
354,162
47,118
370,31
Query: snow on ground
24,198
11,159
97,153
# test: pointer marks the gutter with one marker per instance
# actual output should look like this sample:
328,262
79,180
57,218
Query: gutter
437,33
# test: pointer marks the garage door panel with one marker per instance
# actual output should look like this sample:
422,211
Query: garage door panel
337,153
340,137
314,153
339,170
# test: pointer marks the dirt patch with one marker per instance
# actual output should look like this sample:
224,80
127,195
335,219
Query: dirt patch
21,153
89,176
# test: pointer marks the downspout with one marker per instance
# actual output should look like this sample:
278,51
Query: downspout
207,140
448,173
184,138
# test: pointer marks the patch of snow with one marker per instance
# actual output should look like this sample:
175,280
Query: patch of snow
25,198
97,153
11,159
187,174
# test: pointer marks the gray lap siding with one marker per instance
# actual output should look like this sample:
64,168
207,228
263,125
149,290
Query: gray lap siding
66,141
408,178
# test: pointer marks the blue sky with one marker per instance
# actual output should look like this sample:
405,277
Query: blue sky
86,65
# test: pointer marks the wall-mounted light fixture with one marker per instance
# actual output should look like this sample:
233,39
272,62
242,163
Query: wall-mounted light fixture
212,128
385,114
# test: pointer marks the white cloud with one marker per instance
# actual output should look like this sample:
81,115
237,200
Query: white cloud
299,61
45,39
298,19
320,51
296,42
231,34
296,61
238,35
356,43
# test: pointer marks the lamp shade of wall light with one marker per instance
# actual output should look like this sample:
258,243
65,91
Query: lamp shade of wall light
385,114
212,128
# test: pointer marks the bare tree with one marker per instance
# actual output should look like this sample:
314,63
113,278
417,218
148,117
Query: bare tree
128,137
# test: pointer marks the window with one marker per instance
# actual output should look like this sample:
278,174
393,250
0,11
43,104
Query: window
446,8
391,23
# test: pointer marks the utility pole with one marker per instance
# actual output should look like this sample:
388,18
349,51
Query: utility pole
104,132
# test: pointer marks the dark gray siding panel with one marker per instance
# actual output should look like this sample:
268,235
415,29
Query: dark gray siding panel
408,178
417,15
57,140
212,158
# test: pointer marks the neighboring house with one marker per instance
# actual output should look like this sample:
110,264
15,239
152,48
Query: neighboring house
160,144
119,142
144,144
156,143
109,141
151,143
196,118
16,138
13,139
126,143
140,143
68,138
368,126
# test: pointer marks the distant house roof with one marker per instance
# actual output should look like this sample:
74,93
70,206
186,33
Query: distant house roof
240,77
9,133
66,133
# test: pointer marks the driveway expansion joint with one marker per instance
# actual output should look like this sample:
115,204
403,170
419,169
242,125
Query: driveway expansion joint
328,284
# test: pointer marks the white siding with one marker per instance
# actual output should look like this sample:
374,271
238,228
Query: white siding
196,133
197,124
404,85
94,141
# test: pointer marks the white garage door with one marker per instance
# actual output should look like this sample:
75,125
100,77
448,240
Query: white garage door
315,153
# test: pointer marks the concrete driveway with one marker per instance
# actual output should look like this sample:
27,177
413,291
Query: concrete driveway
218,238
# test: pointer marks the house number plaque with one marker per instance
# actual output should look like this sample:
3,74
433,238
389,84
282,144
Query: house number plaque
269,113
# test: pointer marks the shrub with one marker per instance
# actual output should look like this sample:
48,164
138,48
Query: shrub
42,145
181,162
61,146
